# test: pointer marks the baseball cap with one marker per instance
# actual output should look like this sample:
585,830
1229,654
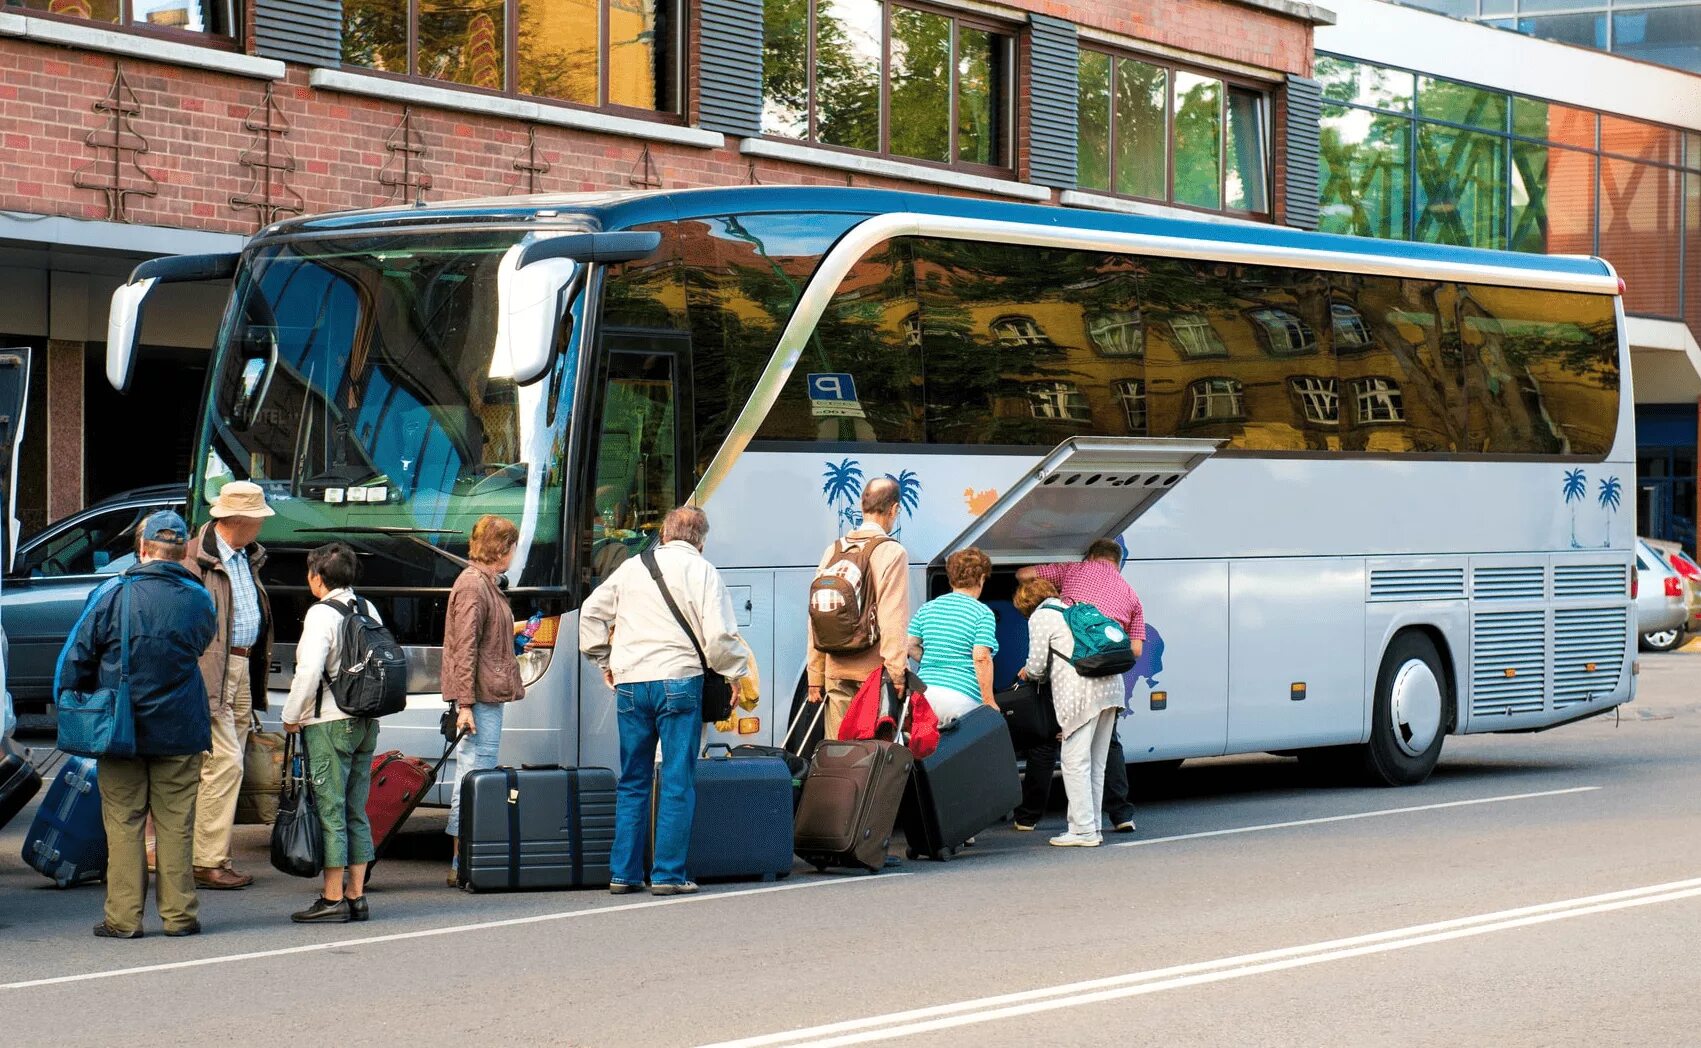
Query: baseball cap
164,526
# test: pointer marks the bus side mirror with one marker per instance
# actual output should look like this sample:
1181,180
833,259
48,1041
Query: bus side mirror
531,286
124,320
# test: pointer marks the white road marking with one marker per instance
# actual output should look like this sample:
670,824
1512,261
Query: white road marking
455,929
1355,815
1093,991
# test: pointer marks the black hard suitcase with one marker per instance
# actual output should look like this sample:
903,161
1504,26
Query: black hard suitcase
19,782
742,826
964,786
850,803
797,761
536,827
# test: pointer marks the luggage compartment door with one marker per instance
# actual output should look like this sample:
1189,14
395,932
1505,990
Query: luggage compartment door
1087,488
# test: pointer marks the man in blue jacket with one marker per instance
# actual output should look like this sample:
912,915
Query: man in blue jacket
171,622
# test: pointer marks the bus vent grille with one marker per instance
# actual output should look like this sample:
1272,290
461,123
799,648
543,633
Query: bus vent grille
1508,662
1590,580
1417,584
1585,638
1509,583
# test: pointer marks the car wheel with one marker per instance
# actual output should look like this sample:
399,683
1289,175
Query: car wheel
1412,713
1662,640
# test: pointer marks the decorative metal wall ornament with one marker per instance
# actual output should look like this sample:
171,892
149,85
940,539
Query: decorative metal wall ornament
405,170
753,180
269,163
119,148
645,174
534,165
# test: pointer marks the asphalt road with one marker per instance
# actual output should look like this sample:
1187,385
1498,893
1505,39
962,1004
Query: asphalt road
1539,890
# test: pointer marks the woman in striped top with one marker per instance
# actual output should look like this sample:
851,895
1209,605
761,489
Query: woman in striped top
954,637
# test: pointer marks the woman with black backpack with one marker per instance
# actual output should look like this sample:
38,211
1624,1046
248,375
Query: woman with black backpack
339,747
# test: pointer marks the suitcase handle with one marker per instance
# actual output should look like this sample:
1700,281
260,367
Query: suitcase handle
725,754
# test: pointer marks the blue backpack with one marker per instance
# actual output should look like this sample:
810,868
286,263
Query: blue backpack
1102,646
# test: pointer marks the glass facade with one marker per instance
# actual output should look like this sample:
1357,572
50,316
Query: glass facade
1666,33
182,16
1407,156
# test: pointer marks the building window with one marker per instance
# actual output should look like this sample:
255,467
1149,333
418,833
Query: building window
1319,399
1351,332
1162,133
912,330
1019,331
1117,334
885,78
1130,394
1058,400
203,17
1285,334
622,54
1196,337
1378,400
1216,399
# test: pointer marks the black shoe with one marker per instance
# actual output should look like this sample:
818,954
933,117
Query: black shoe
323,911
107,931
192,928
357,910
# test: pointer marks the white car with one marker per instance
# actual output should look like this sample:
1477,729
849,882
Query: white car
1661,614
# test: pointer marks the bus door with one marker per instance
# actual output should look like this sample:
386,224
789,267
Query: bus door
1097,487
639,456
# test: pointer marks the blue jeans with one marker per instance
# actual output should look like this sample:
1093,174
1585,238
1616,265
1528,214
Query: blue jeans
476,751
665,711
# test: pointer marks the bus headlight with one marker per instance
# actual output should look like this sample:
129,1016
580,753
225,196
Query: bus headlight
533,663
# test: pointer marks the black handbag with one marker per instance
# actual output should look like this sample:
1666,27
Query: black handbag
717,690
1028,713
298,837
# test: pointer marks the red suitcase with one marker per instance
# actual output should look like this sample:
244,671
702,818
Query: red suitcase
399,784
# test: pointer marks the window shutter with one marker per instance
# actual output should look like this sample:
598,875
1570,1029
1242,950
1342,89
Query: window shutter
729,77
1053,57
305,31
1303,136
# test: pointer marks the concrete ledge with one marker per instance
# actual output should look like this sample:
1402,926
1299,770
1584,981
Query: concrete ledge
133,45
149,241
1293,9
1101,202
510,108
883,168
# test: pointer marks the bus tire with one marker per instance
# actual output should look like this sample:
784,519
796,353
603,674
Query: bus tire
1412,711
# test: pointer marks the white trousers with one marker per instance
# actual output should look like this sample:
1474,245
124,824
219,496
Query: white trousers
949,703
1084,753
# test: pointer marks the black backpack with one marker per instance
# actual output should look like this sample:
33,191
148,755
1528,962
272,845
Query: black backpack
373,678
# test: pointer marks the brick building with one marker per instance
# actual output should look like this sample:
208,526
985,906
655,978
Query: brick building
131,128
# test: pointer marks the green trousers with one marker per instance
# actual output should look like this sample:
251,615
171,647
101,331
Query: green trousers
339,760
131,788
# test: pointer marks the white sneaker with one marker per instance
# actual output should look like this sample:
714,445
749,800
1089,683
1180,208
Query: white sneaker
1076,840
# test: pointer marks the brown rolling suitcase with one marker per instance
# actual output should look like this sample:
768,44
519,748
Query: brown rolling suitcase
850,803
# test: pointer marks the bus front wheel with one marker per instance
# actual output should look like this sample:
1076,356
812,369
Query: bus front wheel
1413,709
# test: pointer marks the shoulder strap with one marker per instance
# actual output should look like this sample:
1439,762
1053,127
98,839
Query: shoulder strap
124,583
345,610
649,559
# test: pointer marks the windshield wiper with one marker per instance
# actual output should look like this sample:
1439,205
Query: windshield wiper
414,535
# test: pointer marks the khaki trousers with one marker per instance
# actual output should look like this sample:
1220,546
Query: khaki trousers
130,789
840,694
221,772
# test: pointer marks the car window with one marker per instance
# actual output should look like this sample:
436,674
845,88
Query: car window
101,544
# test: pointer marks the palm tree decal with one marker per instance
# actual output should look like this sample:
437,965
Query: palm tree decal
843,489
1610,492
909,493
1576,488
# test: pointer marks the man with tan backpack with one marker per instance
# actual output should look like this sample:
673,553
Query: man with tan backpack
859,606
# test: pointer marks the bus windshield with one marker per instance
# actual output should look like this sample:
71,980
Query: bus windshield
357,381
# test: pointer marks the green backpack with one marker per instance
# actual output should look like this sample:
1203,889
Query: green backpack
1102,646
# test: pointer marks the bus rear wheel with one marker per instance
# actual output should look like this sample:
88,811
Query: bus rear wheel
1411,715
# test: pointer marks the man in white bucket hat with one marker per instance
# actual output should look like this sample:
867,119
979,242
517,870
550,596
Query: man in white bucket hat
227,559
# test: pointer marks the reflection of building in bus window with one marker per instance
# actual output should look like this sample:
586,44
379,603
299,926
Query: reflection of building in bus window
1131,396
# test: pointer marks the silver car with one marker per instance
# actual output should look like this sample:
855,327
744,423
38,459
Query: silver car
1661,614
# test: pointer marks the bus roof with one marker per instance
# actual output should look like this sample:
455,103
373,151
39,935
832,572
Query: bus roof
624,210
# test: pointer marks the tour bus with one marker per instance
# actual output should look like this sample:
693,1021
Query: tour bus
1370,493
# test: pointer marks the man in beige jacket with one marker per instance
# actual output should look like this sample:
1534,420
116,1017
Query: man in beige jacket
836,677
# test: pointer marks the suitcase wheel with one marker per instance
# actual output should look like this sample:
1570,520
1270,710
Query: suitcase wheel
947,855
820,868
911,854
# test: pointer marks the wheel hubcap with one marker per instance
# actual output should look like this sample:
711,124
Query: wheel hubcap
1416,707
1662,638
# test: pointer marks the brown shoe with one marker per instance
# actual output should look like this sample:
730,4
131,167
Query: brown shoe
220,878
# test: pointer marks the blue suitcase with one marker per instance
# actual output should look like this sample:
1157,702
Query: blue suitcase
67,841
743,823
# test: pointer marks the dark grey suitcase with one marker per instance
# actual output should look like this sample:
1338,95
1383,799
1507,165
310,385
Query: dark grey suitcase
536,827
850,803
961,788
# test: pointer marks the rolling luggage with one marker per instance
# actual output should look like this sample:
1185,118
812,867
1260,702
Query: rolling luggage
966,785
743,822
399,785
1028,714
67,841
536,827
19,782
850,803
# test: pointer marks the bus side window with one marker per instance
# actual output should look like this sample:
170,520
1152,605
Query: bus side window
637,467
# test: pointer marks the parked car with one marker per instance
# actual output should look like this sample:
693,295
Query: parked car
1690,572
52,576
1661,614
